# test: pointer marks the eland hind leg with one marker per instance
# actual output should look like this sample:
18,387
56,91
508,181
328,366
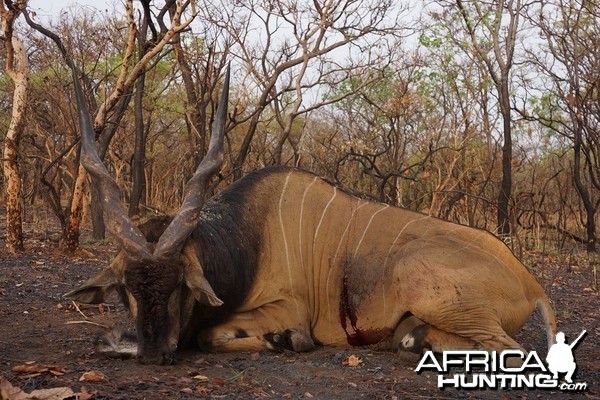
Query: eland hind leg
414,335
424,336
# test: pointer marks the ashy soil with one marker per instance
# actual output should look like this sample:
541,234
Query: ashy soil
46,342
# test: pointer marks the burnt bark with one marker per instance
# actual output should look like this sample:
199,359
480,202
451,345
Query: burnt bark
14,211
505,193
588,204
71,240
139,153
138,188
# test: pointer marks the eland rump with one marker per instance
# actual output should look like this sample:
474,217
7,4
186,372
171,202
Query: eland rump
281,259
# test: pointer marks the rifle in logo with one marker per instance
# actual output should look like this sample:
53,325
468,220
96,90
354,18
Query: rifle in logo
560,356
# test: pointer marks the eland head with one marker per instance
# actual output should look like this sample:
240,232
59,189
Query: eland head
151,273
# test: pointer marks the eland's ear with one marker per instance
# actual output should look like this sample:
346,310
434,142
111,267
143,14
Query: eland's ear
201,289
95,290
194,278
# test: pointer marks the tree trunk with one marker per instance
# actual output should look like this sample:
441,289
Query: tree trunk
506,186
196,105
138,188
14,212
503,47
137,165
588,204
75,211
17,69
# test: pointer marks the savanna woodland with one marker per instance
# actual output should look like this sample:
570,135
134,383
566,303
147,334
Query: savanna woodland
485,113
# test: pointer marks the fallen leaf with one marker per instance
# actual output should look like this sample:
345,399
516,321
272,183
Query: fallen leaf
86,395
30,368
8,391
93,376
255,356
201,378
60,393
353,361
187,390
588,289
202,390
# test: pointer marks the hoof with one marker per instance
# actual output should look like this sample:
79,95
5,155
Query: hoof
415,340
290,339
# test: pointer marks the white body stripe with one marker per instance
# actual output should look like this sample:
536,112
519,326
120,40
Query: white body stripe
385,207
300,222
323,216
286,245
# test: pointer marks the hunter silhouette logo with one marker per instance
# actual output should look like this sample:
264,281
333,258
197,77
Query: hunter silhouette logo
560,356
480,369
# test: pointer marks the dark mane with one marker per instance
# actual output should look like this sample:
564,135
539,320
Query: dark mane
228,235
228,238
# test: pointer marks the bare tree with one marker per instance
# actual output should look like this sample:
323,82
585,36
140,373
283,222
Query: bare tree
287,48
372,141
138,187
17,68
492,28
99,41
127,77
571,31
456,84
